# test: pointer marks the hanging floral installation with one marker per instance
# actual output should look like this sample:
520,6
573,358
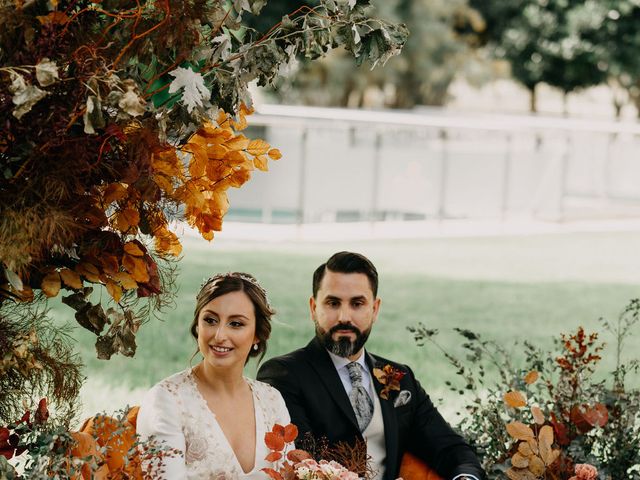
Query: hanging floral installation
119,118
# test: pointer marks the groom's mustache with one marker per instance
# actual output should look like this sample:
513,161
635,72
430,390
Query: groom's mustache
343,327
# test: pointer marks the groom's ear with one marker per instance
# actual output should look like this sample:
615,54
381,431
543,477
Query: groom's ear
312,306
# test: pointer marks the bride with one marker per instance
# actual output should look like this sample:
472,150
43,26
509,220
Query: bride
211,413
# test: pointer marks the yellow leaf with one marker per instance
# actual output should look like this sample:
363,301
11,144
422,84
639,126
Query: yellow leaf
51,284
164,182
274,154
114,290
167,243
132,248
71,278
237,143
258,147
222,119
113,193
538,416
545,436
233,158
519,461
126,219
208,236
520,431
239,177
126,280
531,377
166,161
261,163
514,399
88,271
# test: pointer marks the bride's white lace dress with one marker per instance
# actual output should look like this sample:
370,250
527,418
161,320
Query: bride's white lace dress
175,412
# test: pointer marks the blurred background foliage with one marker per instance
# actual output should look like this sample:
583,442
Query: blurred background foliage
567,44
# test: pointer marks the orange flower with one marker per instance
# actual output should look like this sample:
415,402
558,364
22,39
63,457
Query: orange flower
584,471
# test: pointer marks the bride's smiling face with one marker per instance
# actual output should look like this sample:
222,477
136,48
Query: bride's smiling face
227,329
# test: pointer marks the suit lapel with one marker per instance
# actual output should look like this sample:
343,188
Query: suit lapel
390,423
322,364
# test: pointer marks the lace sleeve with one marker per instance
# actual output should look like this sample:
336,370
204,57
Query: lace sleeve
159,417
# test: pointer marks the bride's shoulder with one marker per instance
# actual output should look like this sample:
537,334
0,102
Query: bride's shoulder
264,389
173,383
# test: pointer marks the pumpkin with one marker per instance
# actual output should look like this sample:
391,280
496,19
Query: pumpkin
412,468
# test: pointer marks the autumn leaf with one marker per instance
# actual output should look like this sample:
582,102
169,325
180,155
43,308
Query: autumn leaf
520,474
272,473
519,431
237,143
298,455
125,280
274,154
114,290
137,267
596,416
515,399
110,264
258,147
167,243
519,461
531,377
525,449
53,18
71,278
46,72
536,465
261,163
133,248
51,284
199,159
113,193
88,271
273,441
537,414
273,456
194,93
126,219
290,433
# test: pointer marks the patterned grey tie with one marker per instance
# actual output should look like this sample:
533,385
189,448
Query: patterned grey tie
360,399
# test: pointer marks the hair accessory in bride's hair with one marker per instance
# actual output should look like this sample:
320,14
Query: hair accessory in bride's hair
243,276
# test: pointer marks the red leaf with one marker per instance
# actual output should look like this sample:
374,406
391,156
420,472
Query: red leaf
272,473
290,433
273,457
4,434
298,455
42,413
560,430
26,418
596,416
273,441
278,429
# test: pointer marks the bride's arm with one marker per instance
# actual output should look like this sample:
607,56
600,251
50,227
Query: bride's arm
159,417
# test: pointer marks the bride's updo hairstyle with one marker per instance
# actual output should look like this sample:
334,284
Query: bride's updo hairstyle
224,283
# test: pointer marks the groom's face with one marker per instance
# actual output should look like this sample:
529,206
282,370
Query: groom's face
344,311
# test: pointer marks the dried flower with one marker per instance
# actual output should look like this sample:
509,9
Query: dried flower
390,377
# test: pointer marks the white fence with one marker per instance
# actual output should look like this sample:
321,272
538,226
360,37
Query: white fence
354,165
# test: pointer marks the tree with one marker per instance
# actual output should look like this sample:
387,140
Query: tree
544,41
118,118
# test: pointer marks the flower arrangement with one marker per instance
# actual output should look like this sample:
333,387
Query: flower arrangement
296,464
389,377
550,418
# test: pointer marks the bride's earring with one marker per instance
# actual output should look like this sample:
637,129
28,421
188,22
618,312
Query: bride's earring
255,346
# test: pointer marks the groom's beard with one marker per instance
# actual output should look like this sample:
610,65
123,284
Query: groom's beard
343,346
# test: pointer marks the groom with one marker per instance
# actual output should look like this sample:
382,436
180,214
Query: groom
336,389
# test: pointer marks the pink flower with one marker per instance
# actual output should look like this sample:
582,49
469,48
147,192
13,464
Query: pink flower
584,471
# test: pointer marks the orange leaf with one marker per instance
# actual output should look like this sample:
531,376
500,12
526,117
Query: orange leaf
520,474
274,154
272,473
113,193
514,399
237,143
525,449
278,429
273,441
257,147
216,152
519,431
199,159
71,278
88,271
538,416
137,267
167,243
114,290
53,18
261,163
110,264
273,457
51,284
531,377
290,433
239,177
124,279
536,466
133,248
234,157
164,182
126,219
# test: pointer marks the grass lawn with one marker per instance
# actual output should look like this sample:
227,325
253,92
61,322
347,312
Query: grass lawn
508,289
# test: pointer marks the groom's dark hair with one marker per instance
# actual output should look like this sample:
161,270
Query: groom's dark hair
347,262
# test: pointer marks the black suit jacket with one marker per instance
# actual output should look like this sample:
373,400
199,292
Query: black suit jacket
318,404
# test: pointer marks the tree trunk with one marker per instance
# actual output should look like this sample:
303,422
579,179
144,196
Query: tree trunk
533,108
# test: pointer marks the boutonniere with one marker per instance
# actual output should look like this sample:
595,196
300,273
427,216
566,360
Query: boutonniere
389,377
